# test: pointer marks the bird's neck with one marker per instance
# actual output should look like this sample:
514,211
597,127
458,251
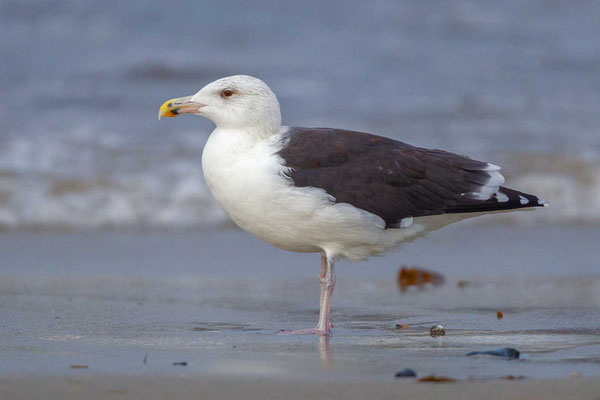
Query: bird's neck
242,140
248,136
259,124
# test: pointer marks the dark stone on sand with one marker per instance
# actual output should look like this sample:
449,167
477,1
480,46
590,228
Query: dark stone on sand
180,363
406,373
506,352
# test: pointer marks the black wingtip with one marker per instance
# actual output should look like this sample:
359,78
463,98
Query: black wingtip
505,199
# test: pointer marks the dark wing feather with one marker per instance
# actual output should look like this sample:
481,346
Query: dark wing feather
392,179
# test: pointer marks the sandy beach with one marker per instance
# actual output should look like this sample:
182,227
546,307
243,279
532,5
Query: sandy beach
188,314
188,387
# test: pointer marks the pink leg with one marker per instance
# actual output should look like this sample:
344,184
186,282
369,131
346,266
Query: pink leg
327,285
327,280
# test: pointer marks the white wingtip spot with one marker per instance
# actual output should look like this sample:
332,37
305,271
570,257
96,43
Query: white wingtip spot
523,200
406,222
476,196
543,203
502,198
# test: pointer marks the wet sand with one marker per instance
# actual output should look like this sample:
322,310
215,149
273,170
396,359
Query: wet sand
129,306
189,387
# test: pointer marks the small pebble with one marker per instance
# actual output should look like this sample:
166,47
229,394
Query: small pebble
180,363
401,326
78,366
437,330
506,352
406,373
499,315
575,374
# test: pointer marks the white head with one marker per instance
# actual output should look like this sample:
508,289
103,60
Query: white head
234,102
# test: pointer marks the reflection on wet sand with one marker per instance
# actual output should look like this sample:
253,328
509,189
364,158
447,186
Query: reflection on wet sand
325,352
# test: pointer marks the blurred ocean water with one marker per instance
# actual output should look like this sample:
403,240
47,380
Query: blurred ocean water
516,83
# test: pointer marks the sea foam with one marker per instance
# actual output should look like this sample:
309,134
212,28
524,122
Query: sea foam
84,180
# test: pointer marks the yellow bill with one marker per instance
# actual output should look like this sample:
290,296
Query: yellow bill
181,105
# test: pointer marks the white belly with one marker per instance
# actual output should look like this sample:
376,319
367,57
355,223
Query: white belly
246,178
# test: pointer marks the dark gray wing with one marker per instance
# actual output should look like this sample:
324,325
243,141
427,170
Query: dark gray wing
395,180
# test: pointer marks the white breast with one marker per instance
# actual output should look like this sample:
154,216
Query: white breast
248,180
245,177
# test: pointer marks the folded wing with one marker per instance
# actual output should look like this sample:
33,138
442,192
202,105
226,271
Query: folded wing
395,180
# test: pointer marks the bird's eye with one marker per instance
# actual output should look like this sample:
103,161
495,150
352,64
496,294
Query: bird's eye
227,93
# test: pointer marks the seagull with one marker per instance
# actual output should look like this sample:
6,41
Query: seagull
340,193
